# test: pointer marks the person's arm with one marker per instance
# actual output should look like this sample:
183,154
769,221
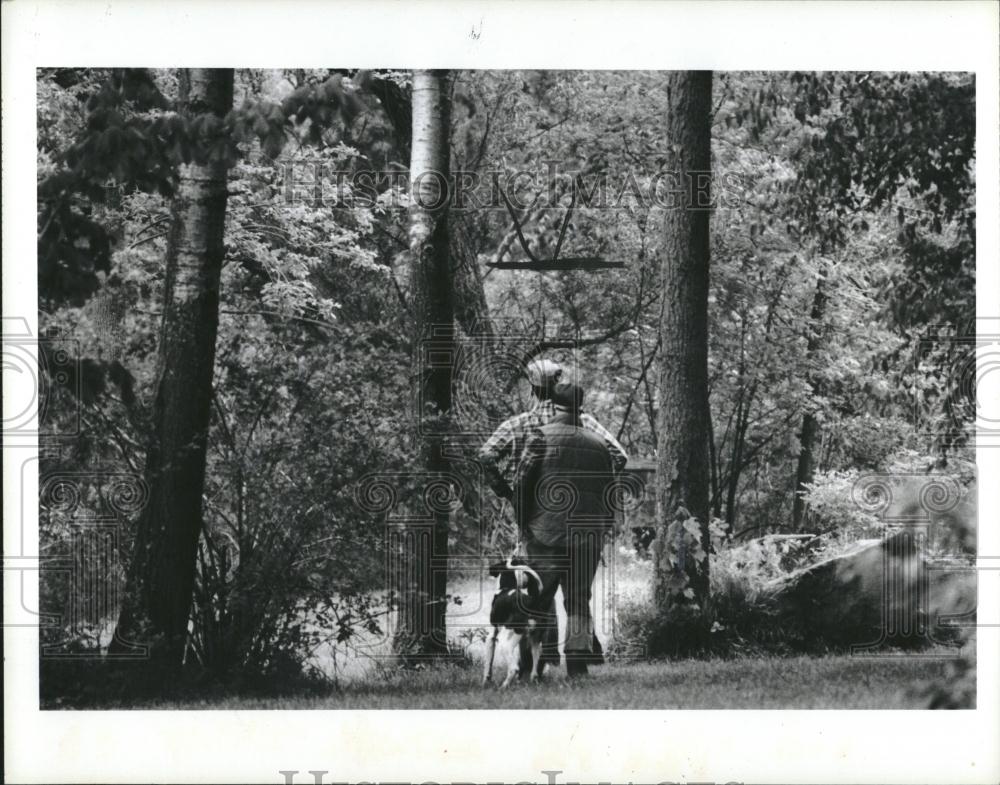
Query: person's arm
526,476
495,454
618,455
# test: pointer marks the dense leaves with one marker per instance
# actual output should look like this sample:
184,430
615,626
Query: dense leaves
133,139
864,182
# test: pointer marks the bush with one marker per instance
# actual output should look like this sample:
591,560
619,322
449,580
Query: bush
855,504
741,581
740,617
832,506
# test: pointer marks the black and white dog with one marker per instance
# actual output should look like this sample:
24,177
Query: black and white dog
519,605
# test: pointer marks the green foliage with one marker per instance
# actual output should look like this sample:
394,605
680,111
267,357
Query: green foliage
133,139
678,621
882,132
863,181
835,505
832,507
737,617
310,336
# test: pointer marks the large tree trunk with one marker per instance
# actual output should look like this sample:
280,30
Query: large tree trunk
161,577
809,434
471,310
683,422
422,617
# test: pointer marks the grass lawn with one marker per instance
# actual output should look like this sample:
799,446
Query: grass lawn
829,682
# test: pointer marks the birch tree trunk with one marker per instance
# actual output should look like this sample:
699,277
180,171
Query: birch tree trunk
681,566
161,577
469,296
422,617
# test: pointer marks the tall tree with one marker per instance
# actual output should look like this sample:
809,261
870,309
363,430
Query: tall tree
161,577
683,422
471,309
422,620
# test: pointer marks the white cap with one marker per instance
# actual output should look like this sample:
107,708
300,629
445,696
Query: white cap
542,373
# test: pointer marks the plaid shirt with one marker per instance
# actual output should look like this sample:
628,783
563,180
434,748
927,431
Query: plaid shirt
501,453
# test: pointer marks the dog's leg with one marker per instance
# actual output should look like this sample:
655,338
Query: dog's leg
536,654
491,647
513,660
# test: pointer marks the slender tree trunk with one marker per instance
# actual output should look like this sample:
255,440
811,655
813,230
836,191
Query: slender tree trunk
161,577
683,431
805,469
715,492
738,431
809,434
422,618
741,453
734,469
736,465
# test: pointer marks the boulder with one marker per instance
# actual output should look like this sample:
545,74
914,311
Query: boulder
877,592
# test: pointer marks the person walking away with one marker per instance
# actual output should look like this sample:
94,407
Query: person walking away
563,505
500,453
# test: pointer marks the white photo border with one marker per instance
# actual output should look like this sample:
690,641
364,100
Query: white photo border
459,746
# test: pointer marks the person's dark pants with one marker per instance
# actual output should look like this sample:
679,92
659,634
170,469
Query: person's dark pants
573,567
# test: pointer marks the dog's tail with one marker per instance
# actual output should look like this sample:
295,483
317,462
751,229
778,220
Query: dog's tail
524,568
543,594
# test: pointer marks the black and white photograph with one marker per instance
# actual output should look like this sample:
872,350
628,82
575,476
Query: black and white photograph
550,393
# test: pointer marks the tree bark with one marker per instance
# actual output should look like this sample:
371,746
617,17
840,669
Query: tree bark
471,309
422,617
810,425
683,420
161,576
472,312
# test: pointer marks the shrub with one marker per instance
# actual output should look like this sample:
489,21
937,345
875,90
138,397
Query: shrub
855,504
740,616
832,506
